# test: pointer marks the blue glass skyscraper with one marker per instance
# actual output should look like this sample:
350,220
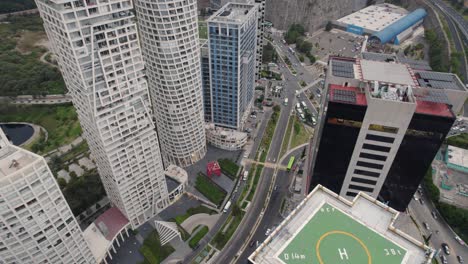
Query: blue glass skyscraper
232,34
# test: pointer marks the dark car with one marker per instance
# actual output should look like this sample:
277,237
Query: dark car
446,248
443,259
252,243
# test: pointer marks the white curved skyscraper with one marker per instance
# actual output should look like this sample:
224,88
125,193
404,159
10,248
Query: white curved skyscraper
96,43
36,223
169,37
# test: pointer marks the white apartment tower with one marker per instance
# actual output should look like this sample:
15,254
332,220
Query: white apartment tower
36,223
96,42
169,36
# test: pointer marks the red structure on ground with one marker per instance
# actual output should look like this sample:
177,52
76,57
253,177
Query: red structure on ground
213,167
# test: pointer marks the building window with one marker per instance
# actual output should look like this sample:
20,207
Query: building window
376,148
367,173
372,156
369,165
380,138
360,188
361,180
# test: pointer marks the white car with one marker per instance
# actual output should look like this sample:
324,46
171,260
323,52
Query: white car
267,233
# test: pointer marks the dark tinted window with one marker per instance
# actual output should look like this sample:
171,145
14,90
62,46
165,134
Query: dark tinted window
380,138
367,173
372,156
375,147
360,188
361,180
369,165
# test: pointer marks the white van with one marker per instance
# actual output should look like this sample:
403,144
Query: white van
226,207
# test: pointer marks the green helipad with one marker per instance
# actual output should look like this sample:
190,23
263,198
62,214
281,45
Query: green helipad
333,237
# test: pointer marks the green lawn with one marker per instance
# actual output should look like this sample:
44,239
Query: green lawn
268,134
301,135
460,141
229,168
77,150
152,250
60,121
331,231
192,211
249,182
198,236
256,179
202,29
222,238
284,145
209,189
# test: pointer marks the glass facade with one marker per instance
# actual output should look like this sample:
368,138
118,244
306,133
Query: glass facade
232,68
420,144
338,137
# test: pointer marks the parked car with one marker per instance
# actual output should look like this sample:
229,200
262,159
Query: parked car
446,249
267,233
458,239
426,226
434,214
460,259
443,259
252,243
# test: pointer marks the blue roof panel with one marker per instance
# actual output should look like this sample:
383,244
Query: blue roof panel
389,33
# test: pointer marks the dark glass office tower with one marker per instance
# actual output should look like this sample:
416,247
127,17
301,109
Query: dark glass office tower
379,130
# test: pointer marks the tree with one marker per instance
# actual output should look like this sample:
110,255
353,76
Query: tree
276,108
301,58
62,183
329,26
297,127
236,210
269,53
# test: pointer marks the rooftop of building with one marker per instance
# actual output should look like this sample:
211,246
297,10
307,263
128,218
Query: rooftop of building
384,77
177,174
414,64
364,226
12,158
375,17
457,156
225,133
232,13
101,233
439,80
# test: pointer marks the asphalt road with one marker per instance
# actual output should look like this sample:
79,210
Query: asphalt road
422,213
456,16
457,35
271,215
208,237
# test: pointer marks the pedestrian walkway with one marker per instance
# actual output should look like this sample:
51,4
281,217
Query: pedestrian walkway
200,219
265,164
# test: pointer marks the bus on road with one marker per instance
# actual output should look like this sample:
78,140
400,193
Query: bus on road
291,163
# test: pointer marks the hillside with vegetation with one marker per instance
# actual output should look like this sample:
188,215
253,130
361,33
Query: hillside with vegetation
8,6
22,44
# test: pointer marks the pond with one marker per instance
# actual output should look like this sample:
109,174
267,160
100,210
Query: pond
17,133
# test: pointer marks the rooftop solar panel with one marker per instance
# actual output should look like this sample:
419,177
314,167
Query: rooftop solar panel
344,96
343,69
428,95
436,76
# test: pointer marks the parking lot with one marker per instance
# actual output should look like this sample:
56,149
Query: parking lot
335,42
460,126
